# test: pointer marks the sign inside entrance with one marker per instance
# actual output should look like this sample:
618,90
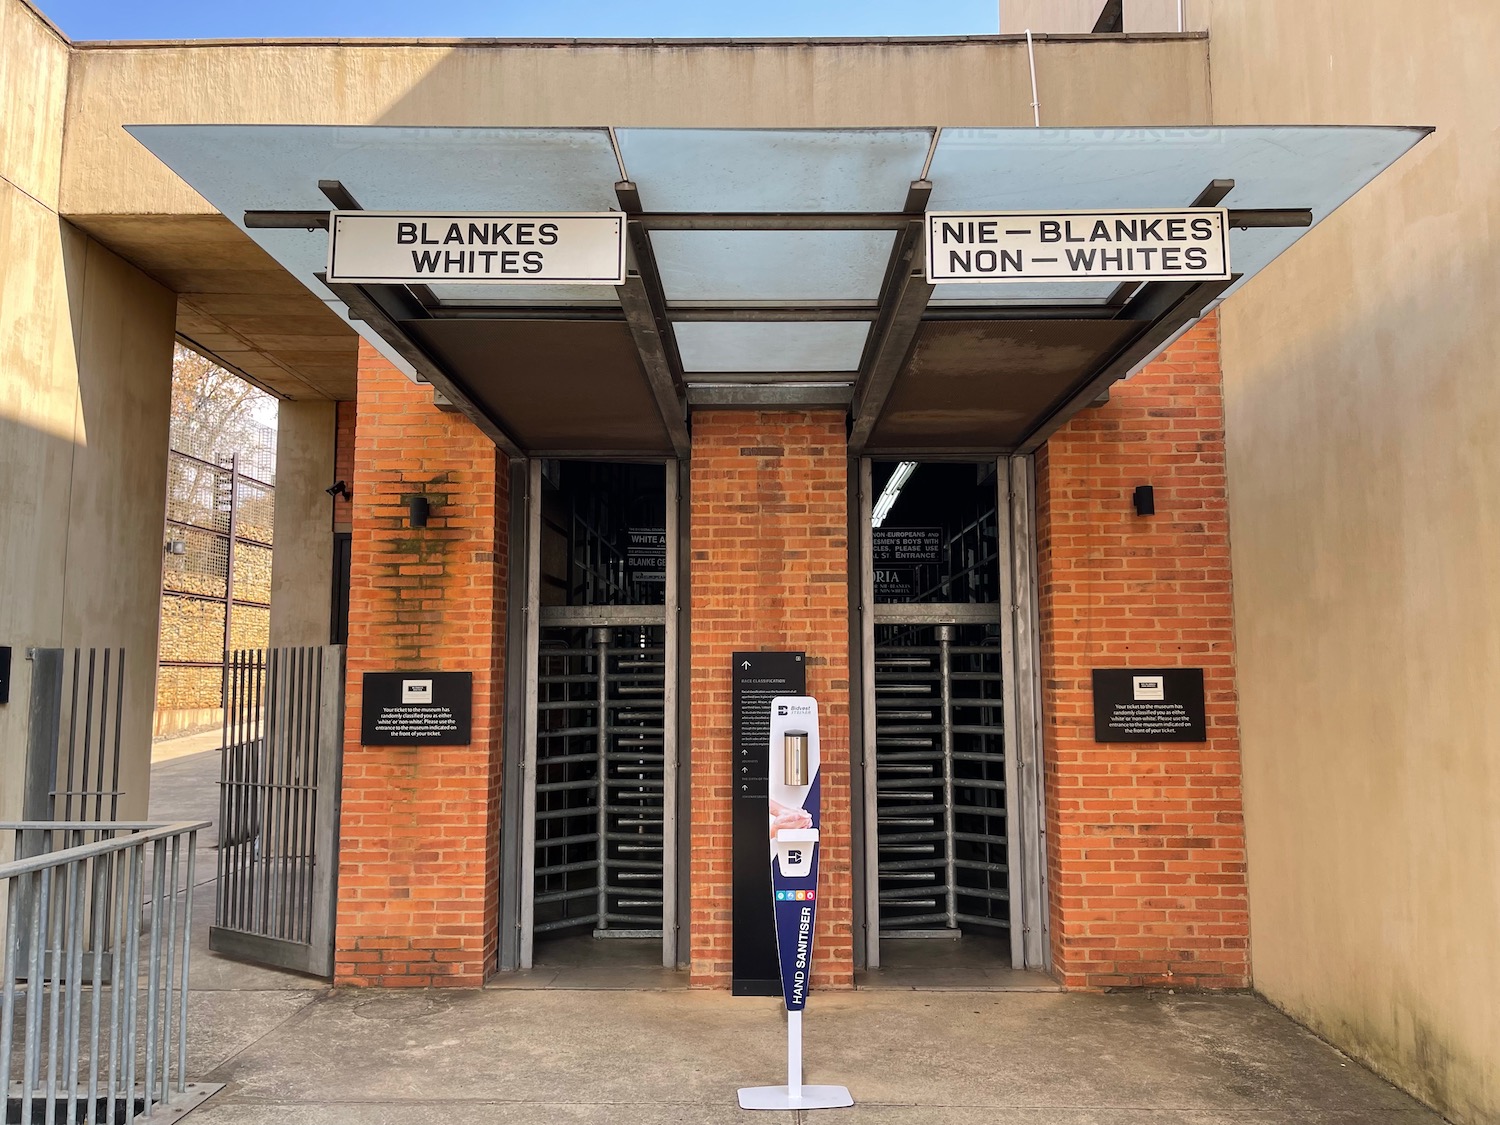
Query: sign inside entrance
906,546
646,555
1190,244
398,247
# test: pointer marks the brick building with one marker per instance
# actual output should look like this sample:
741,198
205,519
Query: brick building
1106,580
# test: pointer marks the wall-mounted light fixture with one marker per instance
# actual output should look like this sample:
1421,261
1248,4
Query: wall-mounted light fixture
339,488
887,501
417,511
1144,500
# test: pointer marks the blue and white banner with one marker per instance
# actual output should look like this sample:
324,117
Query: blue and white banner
794,814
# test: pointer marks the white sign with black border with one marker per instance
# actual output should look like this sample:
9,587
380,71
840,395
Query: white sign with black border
1187,244
488,248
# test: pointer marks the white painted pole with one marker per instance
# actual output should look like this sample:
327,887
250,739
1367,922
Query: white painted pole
1036,104
794,1054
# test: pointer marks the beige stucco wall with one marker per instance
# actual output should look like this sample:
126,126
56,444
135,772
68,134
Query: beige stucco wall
1364,466
302,556
36,414
85,358
1081,82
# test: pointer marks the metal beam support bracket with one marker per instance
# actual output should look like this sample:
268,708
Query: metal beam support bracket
645,306
904,298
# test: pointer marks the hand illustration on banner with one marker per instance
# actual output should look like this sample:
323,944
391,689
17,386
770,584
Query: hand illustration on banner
783,816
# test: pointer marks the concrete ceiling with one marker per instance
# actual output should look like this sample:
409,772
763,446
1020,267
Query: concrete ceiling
236,304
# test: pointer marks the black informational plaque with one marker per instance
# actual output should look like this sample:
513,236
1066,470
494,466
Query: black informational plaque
1149,705
759,677
417,709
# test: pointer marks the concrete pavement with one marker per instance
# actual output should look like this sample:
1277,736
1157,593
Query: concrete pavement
291,1050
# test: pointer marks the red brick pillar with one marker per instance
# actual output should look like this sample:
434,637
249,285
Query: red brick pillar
769,570
419,850
1147,848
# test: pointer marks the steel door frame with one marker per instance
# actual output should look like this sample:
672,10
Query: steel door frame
518,830
1021,701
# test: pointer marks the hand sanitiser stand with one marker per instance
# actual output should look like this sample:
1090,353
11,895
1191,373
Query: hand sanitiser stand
795,811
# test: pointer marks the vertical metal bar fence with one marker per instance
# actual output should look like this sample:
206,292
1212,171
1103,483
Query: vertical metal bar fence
71,992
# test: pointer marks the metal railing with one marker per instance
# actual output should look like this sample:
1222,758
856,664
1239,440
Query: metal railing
88,1032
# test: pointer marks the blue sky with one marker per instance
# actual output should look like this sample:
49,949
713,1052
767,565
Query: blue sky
211,19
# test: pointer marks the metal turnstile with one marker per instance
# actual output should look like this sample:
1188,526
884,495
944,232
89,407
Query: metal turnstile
941,846
600,780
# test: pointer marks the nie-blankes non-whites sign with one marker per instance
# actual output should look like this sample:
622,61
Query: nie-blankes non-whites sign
1191,244
576,248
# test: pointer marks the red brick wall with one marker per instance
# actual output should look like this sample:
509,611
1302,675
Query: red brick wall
419,848
1146,841
769,566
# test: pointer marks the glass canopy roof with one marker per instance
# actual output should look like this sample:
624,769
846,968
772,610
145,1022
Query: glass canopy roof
768,170
771,267
771,348
741,277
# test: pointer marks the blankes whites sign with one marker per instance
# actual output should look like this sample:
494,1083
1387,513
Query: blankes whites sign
1191,244
577,248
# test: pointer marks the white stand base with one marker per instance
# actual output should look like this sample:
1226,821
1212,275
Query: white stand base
794,1095
781,1097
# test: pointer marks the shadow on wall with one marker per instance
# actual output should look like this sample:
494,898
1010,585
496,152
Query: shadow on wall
83,481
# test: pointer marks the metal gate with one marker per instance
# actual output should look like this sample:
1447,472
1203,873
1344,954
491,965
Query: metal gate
940,779
589,818
279,807
600,783
73,735
951,770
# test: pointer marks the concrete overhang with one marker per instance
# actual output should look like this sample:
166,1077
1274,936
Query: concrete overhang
771,267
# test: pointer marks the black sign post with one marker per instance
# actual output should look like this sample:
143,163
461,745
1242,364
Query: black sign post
417,709
759,677
1149,705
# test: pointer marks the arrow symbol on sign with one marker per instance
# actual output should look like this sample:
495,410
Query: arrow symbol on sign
744,769
744,788
746,664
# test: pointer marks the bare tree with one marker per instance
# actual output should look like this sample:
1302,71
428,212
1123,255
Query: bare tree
214,412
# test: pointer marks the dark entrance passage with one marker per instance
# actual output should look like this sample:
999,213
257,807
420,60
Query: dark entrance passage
601,734
936,802
599,791
940,787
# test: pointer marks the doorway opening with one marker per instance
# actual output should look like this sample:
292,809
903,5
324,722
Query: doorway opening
598,886
939,848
